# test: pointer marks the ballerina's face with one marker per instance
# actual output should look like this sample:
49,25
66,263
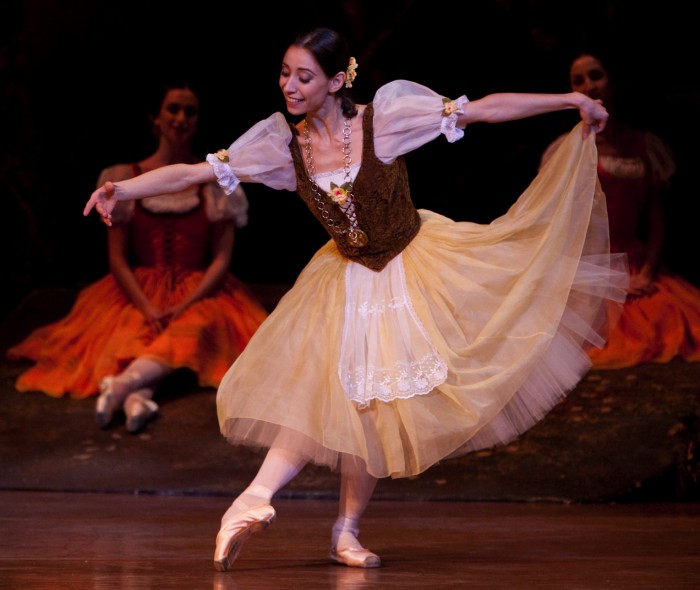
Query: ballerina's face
304,84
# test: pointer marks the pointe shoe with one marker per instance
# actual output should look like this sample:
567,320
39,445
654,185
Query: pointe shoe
353,557
234,533
139,409
106,403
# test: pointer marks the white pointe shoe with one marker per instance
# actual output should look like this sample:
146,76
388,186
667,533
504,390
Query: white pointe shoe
106,403
139,409
234,533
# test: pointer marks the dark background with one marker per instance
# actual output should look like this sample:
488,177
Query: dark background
76,78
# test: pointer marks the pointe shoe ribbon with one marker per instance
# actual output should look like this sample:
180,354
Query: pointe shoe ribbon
353,557
234,533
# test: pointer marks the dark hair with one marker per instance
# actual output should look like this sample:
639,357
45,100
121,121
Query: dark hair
331,51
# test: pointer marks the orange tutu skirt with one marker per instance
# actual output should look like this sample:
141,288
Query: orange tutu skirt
104,332
655,328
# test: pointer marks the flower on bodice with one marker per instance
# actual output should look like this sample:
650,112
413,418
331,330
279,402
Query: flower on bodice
340,194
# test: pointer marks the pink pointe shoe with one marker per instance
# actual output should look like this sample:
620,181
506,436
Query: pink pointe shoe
353,557
234,533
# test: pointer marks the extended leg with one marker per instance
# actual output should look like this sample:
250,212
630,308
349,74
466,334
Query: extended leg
251,511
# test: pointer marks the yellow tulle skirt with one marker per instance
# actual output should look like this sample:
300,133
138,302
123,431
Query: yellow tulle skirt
465,340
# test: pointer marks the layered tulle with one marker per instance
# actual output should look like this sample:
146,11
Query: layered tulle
104,332
502,314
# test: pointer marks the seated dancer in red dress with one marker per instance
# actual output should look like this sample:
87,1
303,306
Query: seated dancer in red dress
660,319
169,302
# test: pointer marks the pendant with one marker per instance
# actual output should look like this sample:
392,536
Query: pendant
357,237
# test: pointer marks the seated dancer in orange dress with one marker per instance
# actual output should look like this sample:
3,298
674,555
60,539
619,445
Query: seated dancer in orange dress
170,301
660,319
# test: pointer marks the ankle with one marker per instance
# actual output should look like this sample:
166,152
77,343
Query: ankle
116,388
243,503
345,535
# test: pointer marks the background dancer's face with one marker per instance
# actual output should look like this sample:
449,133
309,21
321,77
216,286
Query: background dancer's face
178,116
588,76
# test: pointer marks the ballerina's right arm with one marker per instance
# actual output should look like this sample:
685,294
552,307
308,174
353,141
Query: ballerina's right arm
165,180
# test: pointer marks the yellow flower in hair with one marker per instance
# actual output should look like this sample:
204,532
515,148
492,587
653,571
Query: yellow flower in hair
350,73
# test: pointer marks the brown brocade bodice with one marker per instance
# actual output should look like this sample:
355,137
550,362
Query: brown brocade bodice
385,211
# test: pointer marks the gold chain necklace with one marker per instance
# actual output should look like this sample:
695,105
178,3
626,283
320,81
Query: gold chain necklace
353,233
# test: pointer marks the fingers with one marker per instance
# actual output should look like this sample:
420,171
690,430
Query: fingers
595,119
594,125
88,207
96,198
105,215
102,200
154,322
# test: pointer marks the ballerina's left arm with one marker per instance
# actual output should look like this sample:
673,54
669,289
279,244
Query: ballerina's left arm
509,106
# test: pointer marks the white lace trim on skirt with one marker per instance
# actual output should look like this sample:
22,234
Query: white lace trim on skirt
386,353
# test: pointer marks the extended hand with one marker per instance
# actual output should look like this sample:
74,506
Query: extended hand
103,200
595,117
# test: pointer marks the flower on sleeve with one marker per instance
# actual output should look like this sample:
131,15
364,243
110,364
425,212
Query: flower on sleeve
222,155
449,107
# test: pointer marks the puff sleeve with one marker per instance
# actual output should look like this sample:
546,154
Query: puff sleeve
408,115
260,155
663,165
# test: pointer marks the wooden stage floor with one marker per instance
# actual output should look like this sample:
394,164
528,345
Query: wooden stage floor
600,495
88,541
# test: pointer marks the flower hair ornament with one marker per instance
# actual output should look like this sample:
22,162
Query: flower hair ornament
350,73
